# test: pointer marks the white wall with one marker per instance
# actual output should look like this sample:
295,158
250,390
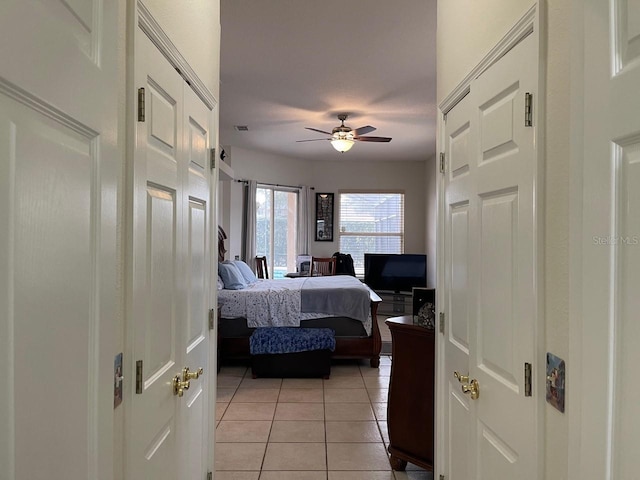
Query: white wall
333,176
467,30
556,196
194,28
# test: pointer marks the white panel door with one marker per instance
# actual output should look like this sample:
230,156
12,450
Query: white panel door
58,183
490,274
458,299
609,270
194,415
156,314
170,263
504,317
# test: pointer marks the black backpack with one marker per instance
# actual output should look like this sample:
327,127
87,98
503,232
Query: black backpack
344,264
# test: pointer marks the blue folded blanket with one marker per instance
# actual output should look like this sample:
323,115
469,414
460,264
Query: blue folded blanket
271,340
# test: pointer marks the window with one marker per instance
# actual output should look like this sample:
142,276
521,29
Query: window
276,227
371,223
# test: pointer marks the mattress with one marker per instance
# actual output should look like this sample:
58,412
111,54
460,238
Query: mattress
287,302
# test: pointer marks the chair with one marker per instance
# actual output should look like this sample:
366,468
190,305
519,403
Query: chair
222,236
261,267
323,266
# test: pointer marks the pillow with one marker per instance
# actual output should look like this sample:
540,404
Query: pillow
231,276
220,283
246,272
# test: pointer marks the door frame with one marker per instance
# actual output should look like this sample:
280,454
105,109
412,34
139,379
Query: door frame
140,21
531,23
573,383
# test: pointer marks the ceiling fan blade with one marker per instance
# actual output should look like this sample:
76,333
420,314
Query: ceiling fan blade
313,140
364,130
373,139
319,131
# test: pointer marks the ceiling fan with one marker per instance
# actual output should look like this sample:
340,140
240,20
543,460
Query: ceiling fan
342,137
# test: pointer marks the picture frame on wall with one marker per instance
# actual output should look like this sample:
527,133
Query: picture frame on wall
324,217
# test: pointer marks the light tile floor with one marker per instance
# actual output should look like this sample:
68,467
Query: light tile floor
306,429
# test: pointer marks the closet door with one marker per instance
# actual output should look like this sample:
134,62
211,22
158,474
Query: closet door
170,275
58,186
490,275
504,261
194,407
459,189
606,272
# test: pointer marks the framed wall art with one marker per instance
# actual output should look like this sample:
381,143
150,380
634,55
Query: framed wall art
324,217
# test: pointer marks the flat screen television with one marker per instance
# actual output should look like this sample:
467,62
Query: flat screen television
395,272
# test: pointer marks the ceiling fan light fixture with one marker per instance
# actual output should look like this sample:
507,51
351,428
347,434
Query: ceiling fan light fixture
343,137
342,144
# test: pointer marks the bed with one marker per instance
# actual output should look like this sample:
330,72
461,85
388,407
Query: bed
340,302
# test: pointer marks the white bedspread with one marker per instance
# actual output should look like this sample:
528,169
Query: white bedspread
277,302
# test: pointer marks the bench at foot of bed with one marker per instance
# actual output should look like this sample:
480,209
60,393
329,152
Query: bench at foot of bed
314,363
286,352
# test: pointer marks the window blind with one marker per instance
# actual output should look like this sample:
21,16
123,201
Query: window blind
371,223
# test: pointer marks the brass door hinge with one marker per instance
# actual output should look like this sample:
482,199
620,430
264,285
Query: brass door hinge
527,379
209,475
211,319
139,377
141,104
443,164
528,109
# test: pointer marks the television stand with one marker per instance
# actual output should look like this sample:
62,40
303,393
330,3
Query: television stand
395,304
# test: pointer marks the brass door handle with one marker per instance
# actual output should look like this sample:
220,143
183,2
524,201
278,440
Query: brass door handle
461,378
187,375
472,388
180,386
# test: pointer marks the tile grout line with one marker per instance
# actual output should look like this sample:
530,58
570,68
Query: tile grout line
326,446
273,419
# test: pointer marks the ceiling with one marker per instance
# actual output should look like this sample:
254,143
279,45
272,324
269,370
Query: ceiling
290,64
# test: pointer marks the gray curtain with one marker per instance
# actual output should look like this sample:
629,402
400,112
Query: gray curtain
304,219
249,224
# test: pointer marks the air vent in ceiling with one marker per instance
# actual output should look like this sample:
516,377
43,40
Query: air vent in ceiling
241,128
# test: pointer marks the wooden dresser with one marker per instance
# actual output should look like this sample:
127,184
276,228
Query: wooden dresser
411,413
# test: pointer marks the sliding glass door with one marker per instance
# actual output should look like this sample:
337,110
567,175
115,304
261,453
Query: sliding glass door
276,228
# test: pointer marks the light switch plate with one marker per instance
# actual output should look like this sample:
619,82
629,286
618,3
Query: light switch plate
555,381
